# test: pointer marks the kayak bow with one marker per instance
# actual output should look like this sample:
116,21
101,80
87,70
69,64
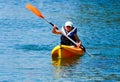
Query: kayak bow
63,51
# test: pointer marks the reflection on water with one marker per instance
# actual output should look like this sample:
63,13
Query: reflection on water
65,62
62,64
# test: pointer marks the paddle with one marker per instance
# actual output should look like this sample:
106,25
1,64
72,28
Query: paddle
39,14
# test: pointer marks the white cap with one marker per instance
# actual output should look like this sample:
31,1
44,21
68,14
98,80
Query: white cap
69,23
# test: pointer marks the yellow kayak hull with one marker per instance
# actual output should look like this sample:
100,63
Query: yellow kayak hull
63,51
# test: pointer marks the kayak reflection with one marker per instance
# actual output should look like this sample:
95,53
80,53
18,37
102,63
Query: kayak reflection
62,66
65,61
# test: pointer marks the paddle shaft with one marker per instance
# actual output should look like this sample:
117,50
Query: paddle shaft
48,22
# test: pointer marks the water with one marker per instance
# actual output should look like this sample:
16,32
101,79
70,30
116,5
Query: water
26,41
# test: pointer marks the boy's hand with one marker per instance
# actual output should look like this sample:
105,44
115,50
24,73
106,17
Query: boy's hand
79,44
54,27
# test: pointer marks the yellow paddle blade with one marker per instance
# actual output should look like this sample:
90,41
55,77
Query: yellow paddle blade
34,10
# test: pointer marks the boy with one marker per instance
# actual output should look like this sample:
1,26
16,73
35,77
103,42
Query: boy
70,31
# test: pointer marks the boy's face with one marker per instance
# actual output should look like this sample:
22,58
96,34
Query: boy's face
68,28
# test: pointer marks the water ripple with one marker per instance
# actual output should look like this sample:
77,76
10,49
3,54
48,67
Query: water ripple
33,47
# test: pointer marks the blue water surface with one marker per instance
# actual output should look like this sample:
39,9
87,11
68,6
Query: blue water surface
26,41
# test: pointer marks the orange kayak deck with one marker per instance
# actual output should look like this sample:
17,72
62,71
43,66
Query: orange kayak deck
63,51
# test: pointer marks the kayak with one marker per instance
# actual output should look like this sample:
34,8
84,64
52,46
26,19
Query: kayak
64,51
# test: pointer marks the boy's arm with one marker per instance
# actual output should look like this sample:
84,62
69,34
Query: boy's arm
55,30
78,40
